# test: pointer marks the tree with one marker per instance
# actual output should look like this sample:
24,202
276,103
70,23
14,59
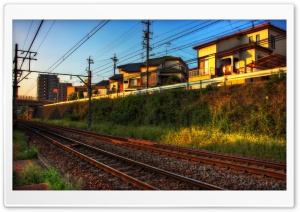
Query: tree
80,95
72,96
23,110
173,79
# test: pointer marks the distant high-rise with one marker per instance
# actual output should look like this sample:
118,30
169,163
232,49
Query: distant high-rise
62,91
47,86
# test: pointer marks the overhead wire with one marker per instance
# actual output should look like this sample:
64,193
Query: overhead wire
27,34
178,37
186,34
127,35
113,44
182,47
73,49
77,45
45,36
32,43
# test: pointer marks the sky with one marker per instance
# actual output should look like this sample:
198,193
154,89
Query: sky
63,46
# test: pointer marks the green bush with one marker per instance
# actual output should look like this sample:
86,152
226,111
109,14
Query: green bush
258,108
35,175
21,149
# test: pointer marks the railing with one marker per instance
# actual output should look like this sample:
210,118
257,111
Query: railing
201,72
188,85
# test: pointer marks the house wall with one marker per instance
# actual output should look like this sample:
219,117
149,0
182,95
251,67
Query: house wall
170,64
152,79
150,68
113,83
103,91
264,34
280,45
228,44
207,50
204,77
246,57
70,89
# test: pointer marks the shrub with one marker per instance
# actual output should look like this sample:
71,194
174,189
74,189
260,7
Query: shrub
21,149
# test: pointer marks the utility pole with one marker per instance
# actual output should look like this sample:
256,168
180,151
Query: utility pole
17,73
115,61
15,87
89,87
147,38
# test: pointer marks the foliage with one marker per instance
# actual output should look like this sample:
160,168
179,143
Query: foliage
173,79
34,175
257,108
23,110
21,149
238,143
72,96
80,95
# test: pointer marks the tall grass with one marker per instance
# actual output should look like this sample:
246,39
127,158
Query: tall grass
239,143
247,144
21,149
152,133
34,175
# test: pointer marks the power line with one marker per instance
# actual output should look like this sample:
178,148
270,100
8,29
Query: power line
45,36
32,43
188,45
174,49
126,36
27,34
80,43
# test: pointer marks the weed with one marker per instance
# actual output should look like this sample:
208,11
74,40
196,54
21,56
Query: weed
34,175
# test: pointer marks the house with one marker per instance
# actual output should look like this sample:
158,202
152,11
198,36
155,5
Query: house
116,83
101,88
131,76
76,89
160,69
258,48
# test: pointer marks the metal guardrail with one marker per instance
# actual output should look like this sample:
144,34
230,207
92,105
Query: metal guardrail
188,85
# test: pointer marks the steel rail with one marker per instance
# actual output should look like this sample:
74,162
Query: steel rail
114,172
132,142
155,169
154,148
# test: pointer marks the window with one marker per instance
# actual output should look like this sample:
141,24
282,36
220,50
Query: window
272,39
204,67
258,39
251,39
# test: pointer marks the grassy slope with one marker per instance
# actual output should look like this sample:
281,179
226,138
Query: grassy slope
244,119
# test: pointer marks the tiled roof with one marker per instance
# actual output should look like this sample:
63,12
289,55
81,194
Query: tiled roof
116,77
244,32
160,60
103,83
132,67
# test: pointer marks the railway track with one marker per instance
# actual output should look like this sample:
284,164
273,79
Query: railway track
138,174
258,167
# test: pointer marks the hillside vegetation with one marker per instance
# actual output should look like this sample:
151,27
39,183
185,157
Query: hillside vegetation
258,108
243,119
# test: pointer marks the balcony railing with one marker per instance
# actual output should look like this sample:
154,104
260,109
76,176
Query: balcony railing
202,72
